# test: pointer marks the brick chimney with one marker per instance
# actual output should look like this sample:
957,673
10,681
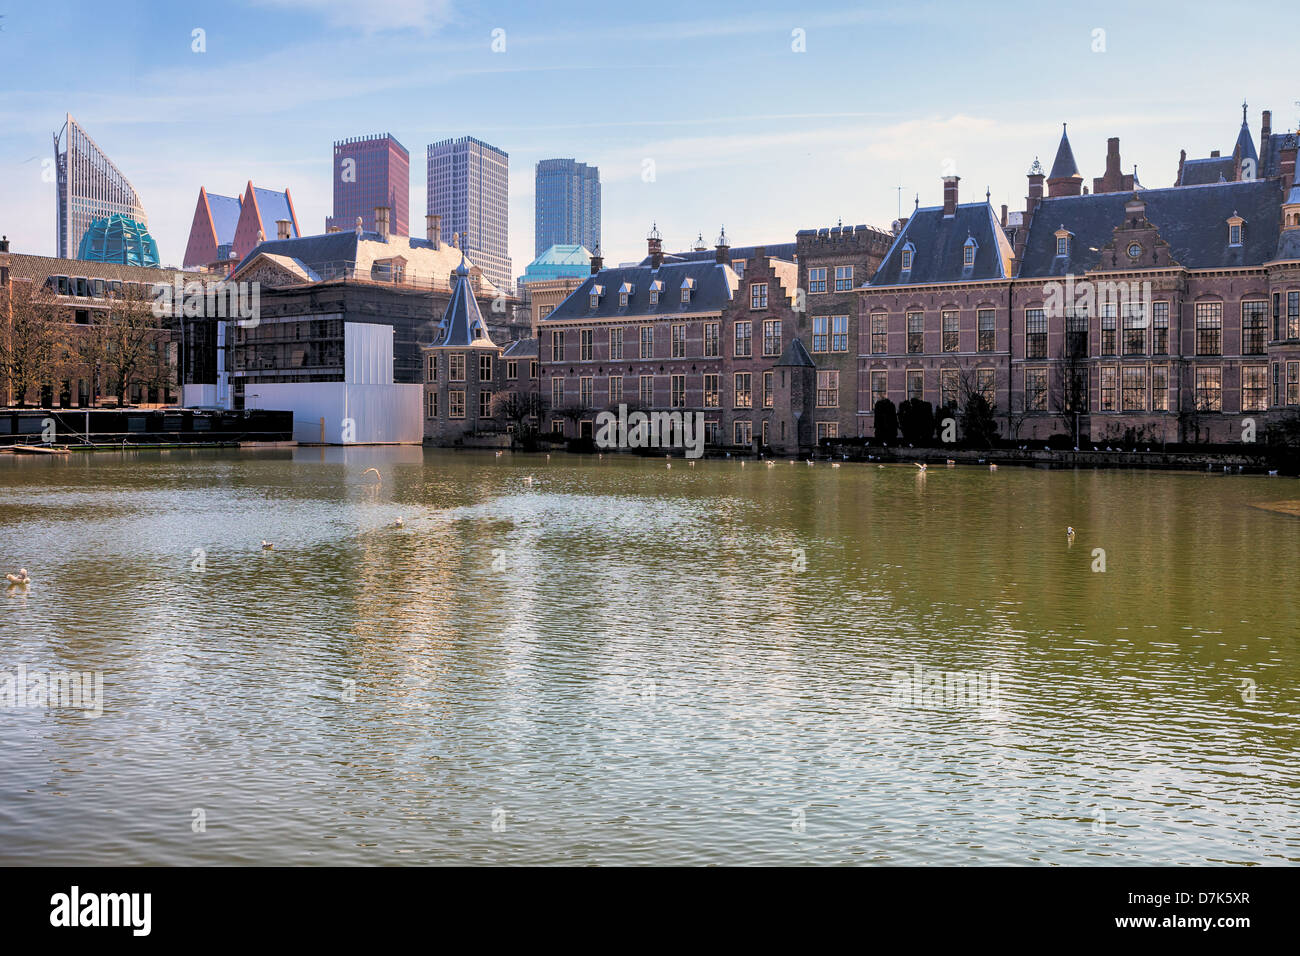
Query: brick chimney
381,222
950,196
597,263
1035,196
655,247
1114,180
722,249
433,229
1004,215
1287,166
282,228
1266,130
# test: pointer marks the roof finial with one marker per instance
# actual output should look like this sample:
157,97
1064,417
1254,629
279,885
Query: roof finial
988,194
1243,112
916,203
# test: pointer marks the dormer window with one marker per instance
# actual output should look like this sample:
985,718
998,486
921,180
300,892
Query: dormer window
656,287
593,299
1235,229
968,252
1062,243
625,292
908,251
688,285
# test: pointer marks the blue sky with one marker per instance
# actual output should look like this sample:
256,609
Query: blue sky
742,129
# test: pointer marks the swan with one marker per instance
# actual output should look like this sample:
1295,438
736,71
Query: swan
835,464
20,579
375,470
1069,531
399,523
920,464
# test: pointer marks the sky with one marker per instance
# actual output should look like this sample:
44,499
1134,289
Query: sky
762,117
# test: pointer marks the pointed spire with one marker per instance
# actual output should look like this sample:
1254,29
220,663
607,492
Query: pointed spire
1245,141
1064,166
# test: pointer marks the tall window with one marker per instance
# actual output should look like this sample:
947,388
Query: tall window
677,391
1293,383
647,349
817,280
828,388
821,339
915,383
431,404
743,433
1293,315
585,349
744,399
710,339
557,393
1035,333
647,391
1135,330
485,403
1160,328
1277,315
948,388
1209,328
1108,328
456,403
1254,319
679,341
711,397
1076,332
951,333
879,333
843,278
986,333
485,368
512,371
772,337
1254,388
828,430
616,345
456,366
615,389
586,391
431,368
839,333
1209,389
879,385
1107,377
744,339
1133,382
1160,388
769,379
915,332
1036,389
557,346
985,381
758,295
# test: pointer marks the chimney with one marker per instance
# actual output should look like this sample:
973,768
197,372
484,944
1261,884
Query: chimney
722,249
433,229
950,196
1287,167
655,246
1182,158
282,228
1267,129
1004,215
1214,154
1035,190
381,222
597,263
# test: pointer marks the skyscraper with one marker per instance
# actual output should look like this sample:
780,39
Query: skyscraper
568,205
371,171
90,187
469,186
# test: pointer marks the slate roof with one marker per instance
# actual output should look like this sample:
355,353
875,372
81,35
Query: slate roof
715,288
1064,167
225,216
1245,141
1207,171
775,250
274,206
1192,219
1270,162
521,348
795,354
937,247
462,325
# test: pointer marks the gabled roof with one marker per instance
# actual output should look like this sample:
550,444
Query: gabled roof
1192,220
1064,167
938,245
795,354
462,325
225,216
521,348
714,284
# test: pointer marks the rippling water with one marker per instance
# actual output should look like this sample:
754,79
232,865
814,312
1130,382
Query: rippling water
625,663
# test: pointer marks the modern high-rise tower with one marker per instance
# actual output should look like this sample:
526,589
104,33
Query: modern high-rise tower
469,187
90,187
568,205
371,171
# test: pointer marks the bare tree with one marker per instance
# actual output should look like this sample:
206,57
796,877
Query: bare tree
519,407
32,341
1068,389
134,336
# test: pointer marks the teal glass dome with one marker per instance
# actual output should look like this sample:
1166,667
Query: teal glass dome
119,239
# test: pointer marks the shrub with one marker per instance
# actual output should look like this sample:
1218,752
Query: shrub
886,421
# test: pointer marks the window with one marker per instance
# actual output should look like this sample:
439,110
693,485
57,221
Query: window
615,389
686,291
431,404
843,278
713,433
647,390
1254,388
1076,332
711,340
456,403
1209,389
1209,328
1135,330
948,388
677,391
485,404
986,334
532,369
879,333
738,265
557,346
951,334
485,368
593,301
647,342
456,366
1035,333
768,397
654,296
839,333
616,345
1160,388
915,383
906,264
1108,328
711,397
622,300
758,295
557,393
828,388
1277,385
879,386
1293,383
1035,389
1254,318
817,280
1133,383
1293,315
744,339
1277,315
772,337
915,332
1160,328
431,368
512,371
679,341
968,253
985,383
1107,374
742,433
828,430
763,440
743,397
1234,233
585,346
586,391
1062,244
821,341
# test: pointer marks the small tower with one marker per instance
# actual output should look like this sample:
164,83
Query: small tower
655,247
1064,179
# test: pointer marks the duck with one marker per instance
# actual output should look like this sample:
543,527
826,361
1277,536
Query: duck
770,463
21,579
835,464
670,464
810,462
1069,531
267,546
993,467
399,523
498,454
